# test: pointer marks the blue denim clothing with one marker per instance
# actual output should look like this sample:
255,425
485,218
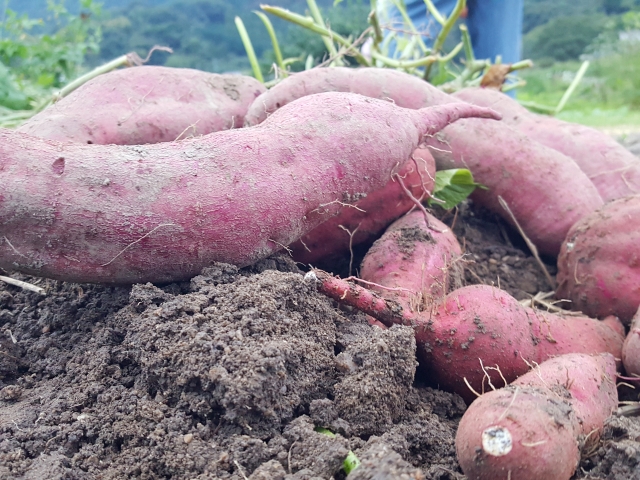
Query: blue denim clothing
495,26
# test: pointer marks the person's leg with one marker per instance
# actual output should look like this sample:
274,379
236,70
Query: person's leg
495,27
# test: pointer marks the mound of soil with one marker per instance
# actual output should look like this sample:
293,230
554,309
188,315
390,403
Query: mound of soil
230,376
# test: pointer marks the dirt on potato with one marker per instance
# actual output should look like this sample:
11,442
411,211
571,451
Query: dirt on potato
231,375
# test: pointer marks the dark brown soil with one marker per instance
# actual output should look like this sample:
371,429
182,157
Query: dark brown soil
229,375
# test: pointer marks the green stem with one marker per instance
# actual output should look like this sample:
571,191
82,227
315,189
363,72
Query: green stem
421,62
536,107
468,48
377,31
452,54
121,61
274,41
308,64
309,24
402,64
446,29
248,46
465,76
434,12
407,20
520,65
512,86
290,61
574,84
328,41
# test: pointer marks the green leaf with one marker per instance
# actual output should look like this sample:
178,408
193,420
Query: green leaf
351,462
325,431
452,187
336,2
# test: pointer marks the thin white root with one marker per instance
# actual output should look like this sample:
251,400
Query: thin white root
23,285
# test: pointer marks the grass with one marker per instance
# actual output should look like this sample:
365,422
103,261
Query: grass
607,98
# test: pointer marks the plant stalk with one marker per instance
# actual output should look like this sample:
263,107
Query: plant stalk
328,41
274,41
309,24
248,46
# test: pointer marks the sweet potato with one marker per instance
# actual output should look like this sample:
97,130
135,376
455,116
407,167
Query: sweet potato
599,264
147,104
158,213
534,429
631,349
613,169
412,261
400,88
546,190
478,328
365,220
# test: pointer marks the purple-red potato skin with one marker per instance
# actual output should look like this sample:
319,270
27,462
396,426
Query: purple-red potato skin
613,169
482,323
162,212
546,190
478,326
402,89
599,264
369,216
412,261
148,104
631,349
541,419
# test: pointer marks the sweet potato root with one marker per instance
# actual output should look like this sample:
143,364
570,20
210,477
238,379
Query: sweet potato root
147,104
478,329
365,220
599,264
534,428
158,213
413,262
613,169
546,190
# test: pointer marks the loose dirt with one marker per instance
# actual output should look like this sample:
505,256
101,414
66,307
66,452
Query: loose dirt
228,376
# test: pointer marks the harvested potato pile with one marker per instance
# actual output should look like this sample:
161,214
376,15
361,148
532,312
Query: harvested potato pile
166,316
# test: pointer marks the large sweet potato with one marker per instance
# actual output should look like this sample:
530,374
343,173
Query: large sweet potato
546,190
613,169
365,220
124,214
599,264
476,329
147,104
534,428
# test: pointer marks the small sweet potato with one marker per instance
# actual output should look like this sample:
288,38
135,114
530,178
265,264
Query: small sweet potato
534,428
147,104
546,190
613,169
631,349
413,263
365,220
160,213
477,330
599,264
